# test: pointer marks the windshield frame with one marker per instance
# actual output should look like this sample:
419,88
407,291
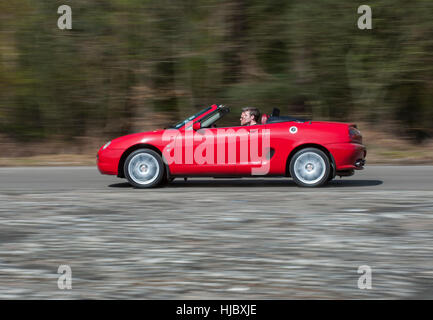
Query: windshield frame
222,111
191,118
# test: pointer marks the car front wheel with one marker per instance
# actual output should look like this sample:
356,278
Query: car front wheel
144,168
310,167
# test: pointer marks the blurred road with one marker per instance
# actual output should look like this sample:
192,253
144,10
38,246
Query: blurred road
216,238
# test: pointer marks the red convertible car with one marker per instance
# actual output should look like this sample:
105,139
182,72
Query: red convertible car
310,152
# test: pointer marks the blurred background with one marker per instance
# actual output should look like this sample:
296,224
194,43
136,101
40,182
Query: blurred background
135,65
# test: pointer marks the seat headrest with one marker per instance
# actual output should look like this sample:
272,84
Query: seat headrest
265,118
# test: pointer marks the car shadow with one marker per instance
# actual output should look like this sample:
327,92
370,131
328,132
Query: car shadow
120,185
353,183
253,183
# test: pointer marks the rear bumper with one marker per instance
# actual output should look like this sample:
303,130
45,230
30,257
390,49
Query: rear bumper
348,156
108,161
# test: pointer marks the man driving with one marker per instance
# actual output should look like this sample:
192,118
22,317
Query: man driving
250,116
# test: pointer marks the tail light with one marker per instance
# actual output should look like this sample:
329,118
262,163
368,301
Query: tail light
354,134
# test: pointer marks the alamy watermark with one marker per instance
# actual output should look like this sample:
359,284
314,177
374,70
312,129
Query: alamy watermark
365,21
365,280
64,281
65,20
230,146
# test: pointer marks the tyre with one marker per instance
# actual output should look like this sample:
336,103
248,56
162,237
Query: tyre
310,167
144,168
332,173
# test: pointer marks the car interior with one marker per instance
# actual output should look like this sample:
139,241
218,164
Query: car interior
222,118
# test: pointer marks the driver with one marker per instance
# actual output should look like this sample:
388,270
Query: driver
250,116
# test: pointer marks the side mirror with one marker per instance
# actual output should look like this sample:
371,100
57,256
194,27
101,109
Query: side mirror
196,126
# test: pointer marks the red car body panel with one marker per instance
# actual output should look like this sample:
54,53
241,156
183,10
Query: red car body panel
333,137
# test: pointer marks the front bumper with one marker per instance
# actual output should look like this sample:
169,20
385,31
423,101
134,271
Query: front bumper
108,160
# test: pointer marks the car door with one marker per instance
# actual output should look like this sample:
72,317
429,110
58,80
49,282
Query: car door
211,153
204,153
229,151
251,154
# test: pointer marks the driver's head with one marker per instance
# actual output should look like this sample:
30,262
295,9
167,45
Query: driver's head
249,116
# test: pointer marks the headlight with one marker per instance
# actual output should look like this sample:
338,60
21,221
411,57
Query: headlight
106,145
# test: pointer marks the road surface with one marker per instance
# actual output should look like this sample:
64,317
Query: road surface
216,238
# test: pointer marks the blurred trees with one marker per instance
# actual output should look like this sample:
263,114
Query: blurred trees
129,59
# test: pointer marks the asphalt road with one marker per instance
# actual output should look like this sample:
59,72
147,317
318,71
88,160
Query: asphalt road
216,238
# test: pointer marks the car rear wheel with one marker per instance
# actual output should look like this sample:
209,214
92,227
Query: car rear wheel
144,168
310,167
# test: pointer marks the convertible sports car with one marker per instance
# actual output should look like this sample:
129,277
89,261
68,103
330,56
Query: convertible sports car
310,152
